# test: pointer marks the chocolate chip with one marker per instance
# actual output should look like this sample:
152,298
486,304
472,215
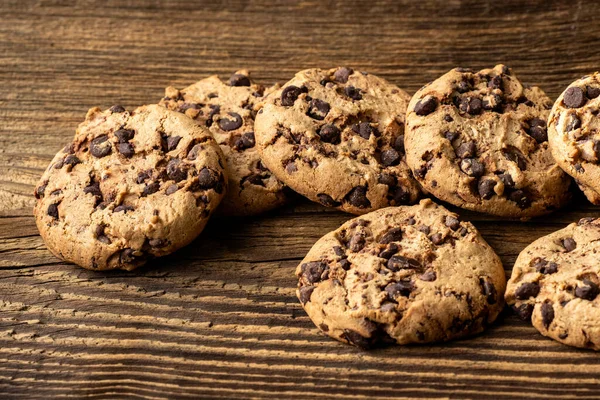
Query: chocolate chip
472,167
171,189
172,142
426,105
452,222
516,157
437,239
543,266
40,190
291,167
305,293
53,210
451,136
193,153
175,170
314,271
342,74
574,123
214,110
318,109
117,109
339,251
363,129
327,200
100,146
345,264
358,197
592,92
399,144
158,243
466,149
492,102
471,105
537,130
527,290
585,221
289,95
357,242
448,118
126,149
428,276
123,208
150,188
398,262
463,86
239,80
231,124
574,97
489,290
127,256
387,179
390,157
245,141
393,235
356,339
72,160
547,314
388,252
329,134
207,179
143,176
94,189
507,180
399,195
521,198
589,290
523,311
569,244
402,288
495,82
101,235
485,187
353,93
124,135
421,172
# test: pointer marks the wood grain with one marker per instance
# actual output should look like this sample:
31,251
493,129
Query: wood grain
219,319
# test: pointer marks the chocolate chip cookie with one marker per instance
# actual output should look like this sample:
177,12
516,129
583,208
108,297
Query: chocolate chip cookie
478,140
555,283
227,109
411,274
131,186
573,128
337,137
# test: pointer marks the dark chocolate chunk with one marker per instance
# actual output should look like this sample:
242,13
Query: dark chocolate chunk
527,290
393,235
543,266
124,135
437,239
117,109
239,80
126,149
547,314
387,179
327,200
176,170
574,123
389,251
588,291
472,167
314,271
245,141
466,149
100,146
150,188
390,157
353,93
342,74
172,142
452,222
329,133
207,179
426,105
305,292
574,97
428,276
485,187
53,210
402,288
123,208
521,198
357,242
489,290
358,197
232,123
569,244
72,160
471,105
318,109
171,189
592,92
289,95
398,262
523,311
363,129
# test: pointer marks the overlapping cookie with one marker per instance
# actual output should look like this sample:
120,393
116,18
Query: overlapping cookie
227,109
337,137
478,140
131,186
573,133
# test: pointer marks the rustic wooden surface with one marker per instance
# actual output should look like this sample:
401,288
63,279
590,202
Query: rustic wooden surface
219,319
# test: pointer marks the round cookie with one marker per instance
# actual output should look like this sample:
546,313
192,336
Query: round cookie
555,284
227,109
478,140
131,186
573,134
411,274
337,137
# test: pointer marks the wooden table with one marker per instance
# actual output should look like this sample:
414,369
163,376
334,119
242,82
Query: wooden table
219,319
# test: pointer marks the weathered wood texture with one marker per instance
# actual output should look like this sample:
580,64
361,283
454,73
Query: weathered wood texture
219,319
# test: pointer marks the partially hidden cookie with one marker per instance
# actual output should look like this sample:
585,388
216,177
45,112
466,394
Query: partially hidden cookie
227,109
574,133
478,140
337,137
131,186
555,284
410,274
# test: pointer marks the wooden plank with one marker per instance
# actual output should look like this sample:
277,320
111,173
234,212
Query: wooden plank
219,319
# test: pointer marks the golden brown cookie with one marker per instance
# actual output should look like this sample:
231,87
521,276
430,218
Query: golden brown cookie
478,140
410,274
131,186
337,137
227,110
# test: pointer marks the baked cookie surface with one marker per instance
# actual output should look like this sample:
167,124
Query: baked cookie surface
227,110
411,274
131,186
478,140
555,284
574,134
337,137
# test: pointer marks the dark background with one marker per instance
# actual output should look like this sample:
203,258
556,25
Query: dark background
219,319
